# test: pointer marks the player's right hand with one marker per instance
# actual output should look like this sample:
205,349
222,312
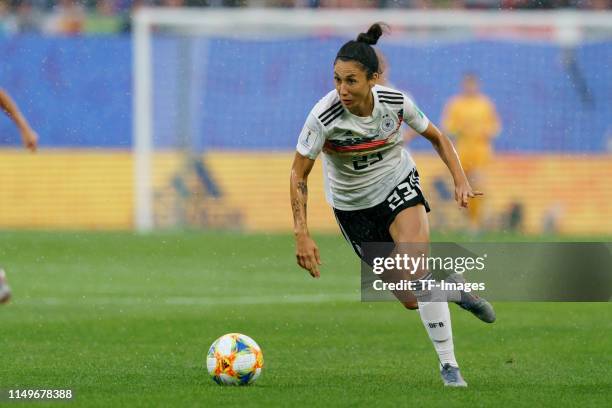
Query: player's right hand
307,255
30,139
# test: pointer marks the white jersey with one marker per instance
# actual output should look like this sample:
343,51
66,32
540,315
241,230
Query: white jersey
364,158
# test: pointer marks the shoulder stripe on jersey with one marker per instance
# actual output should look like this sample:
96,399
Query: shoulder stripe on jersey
323,118
339,109
331,108
391,97
395,102
390,93
337,115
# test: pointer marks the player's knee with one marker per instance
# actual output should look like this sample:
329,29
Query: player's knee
411,304
420,237
419,234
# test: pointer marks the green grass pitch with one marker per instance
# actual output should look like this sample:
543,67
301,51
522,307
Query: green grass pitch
126,320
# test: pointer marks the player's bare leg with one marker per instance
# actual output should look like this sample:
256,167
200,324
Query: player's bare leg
411,226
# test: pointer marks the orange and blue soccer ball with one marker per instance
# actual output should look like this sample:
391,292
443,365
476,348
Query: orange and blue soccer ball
234,359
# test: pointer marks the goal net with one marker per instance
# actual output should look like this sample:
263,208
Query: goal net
221,95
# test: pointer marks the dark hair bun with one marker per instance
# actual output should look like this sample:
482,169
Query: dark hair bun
375,31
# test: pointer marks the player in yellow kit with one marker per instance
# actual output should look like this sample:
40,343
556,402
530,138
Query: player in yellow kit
472,119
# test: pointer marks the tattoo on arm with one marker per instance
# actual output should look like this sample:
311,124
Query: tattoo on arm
301,185
303,188
298,204
295,205
300,219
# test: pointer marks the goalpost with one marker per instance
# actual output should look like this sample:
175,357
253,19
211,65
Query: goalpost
180,59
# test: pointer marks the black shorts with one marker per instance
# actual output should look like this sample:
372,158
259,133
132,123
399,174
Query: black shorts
372,224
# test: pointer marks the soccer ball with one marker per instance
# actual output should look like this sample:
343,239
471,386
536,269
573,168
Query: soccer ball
234,359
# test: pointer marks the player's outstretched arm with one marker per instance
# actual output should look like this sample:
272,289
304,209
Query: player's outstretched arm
28,136
306,252
448,154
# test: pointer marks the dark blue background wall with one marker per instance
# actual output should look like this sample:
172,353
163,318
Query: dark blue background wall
238,94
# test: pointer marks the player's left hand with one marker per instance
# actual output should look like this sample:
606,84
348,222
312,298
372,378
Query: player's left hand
307,255
463,192
30,139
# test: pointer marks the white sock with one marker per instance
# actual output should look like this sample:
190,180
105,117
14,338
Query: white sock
436,319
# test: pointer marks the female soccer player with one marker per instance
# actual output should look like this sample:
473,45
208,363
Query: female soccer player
372,182
30,141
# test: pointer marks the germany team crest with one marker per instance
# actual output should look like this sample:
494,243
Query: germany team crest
387,124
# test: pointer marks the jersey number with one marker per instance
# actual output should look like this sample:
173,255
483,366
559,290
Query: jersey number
402,193
360,163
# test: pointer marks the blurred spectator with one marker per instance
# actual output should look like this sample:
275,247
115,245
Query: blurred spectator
112,16
8,25
349,3
104,19
481,4
598,4
27,17
173,3
67,17
124,5
125,25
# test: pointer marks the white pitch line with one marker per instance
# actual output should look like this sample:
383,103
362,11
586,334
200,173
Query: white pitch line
259,300
189,301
